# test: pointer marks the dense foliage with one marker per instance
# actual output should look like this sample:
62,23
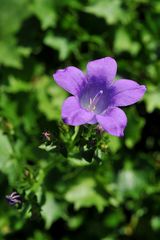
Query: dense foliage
77,183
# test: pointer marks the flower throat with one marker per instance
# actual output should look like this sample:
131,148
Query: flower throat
93,101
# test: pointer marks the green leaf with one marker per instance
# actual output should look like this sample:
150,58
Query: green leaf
44,10
8,163
134,127
46,147
110,10
50,97
10,113
11,18
17,85
9,54
75,221
78,162
61,44
51,210
5,149
131,183
152,98
114,144
114,219
155,223
123,42
84,195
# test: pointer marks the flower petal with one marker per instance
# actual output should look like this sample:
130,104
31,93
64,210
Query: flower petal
114,121
93,120
103,69
73,114
126,92
71,79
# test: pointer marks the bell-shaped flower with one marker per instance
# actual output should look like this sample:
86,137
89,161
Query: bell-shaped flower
97,96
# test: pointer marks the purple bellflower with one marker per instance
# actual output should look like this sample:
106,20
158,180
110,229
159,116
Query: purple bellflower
97,96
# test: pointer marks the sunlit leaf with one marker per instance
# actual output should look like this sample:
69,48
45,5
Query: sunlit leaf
44,10
123,42
152,99
84,195
51,210
58,43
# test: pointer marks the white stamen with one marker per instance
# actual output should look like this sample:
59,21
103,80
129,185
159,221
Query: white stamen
93,102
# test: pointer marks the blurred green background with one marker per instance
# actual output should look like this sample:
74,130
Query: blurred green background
109,190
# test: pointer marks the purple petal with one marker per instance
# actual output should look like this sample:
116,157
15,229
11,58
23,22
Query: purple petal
103,69
71,79
126,92
93,121
114,121
73,114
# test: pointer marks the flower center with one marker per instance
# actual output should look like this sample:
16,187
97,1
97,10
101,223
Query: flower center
93,101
